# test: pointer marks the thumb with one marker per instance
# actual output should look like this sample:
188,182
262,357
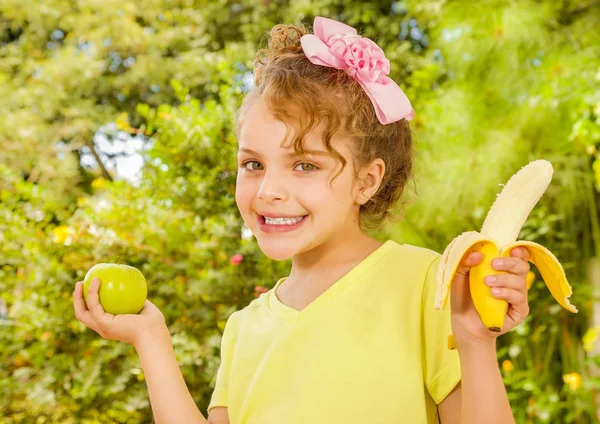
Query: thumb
151,310
470,259
148,308
460,295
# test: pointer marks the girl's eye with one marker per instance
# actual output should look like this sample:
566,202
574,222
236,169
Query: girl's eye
253,165
306,167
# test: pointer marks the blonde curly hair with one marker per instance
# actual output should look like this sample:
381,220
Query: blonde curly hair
304,95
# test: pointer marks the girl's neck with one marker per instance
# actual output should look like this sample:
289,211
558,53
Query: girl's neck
332,259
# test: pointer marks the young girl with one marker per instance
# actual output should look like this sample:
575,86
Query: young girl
351,335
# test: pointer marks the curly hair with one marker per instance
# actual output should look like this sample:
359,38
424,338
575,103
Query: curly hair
304,96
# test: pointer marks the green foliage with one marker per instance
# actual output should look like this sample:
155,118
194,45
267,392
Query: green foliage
495,84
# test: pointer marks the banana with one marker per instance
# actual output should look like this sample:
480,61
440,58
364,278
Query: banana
497,238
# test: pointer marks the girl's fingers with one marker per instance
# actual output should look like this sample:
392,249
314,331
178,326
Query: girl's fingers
101,318
81,312
509,281
460,296
520,252
148,308
514,265
472,259
469,260
516,298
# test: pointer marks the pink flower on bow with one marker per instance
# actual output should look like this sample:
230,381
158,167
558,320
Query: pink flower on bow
338,45
362,56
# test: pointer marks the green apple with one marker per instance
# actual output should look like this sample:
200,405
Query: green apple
123,288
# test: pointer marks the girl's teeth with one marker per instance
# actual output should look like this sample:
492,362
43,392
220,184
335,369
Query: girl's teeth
283,221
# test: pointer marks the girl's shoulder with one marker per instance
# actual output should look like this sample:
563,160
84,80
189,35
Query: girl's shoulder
405,255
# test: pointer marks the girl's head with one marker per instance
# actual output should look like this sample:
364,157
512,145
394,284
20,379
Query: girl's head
312,150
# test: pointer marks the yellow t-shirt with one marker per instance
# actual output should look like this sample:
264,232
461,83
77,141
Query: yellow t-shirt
372,348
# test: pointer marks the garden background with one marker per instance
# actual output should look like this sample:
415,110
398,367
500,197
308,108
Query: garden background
116,141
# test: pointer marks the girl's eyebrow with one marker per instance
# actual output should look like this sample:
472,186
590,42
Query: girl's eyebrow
290,154
249,151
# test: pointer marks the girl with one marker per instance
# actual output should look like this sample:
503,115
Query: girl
351,335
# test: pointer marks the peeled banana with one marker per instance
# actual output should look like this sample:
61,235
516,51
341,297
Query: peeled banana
496,239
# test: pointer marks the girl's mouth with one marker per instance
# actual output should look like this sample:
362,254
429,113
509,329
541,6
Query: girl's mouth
280,224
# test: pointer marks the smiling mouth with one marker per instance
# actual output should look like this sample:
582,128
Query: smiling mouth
280,223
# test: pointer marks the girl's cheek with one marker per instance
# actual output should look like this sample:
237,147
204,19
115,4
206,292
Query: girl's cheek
244,191
239,191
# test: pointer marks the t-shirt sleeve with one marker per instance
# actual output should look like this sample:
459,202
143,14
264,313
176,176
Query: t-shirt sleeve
220,395
441,365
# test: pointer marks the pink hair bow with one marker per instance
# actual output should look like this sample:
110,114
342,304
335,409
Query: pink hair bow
337,45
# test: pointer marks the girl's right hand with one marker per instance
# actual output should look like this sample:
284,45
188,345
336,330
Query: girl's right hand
128,328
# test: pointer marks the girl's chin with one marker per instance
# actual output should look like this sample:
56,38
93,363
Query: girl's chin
277,251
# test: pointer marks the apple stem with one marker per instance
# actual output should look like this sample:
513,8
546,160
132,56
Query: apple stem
118,260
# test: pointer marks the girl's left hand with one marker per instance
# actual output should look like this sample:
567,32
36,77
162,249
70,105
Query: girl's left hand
512,287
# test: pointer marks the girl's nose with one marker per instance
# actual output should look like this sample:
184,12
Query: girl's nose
272,189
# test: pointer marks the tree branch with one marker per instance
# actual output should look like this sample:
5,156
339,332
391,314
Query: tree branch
105,173
579,9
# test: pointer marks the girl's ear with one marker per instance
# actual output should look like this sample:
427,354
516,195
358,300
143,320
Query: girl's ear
368,181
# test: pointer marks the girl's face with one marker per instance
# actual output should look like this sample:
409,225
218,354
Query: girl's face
289,202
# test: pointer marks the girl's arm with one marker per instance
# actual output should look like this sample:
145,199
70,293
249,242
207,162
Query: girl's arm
481,397
169,396
147,332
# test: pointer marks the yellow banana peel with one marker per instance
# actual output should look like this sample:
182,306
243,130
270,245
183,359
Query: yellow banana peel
497,238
